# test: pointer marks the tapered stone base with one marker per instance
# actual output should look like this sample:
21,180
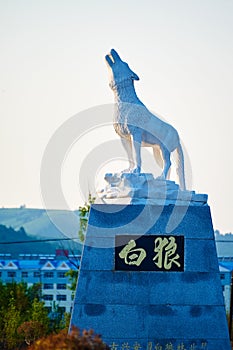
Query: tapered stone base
160,309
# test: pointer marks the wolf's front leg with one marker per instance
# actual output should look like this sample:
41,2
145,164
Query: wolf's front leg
127,144
167,163
137,142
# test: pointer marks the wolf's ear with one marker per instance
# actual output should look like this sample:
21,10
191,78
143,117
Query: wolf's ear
115,55
134,76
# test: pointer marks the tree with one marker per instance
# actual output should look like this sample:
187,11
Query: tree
11,323
19,293
40,314
73,341
57,318
31,331
73,277
22,316
83,217
83,221
34,292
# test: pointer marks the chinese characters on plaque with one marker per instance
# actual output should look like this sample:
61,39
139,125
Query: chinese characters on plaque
149,253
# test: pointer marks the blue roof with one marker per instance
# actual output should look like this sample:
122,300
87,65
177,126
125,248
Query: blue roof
6,262
224,268
29,264
227,264
37,264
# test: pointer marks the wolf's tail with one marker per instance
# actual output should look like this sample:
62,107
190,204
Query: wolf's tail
180,167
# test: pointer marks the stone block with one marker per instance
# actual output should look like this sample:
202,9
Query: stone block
149,310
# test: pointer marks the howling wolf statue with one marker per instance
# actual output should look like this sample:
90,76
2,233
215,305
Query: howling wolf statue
137,126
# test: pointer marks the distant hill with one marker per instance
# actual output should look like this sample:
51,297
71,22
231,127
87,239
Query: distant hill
59,224
40,224
8,245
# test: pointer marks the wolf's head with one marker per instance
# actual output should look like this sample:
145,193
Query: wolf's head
119,70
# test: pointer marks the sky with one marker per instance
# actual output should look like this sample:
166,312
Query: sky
52,69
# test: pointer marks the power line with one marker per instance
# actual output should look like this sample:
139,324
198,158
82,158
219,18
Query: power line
74,239
41,240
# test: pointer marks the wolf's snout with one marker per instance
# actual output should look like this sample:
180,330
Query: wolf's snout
109,59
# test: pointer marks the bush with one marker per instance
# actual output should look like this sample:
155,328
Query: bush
72,341
31,331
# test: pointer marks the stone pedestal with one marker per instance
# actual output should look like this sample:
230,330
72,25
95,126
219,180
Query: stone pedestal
176,304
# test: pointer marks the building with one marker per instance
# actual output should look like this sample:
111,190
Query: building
225,275
48,270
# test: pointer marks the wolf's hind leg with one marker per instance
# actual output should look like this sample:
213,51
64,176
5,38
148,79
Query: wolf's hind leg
158,156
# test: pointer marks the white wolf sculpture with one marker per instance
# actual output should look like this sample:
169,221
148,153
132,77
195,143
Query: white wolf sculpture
137,126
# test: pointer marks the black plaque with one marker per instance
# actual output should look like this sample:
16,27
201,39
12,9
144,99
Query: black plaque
149,253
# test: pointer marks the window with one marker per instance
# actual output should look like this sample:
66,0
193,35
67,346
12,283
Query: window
61,297
11,274
61,286
36,274
61,274
222,276
48,286
48,274
48,297
24,274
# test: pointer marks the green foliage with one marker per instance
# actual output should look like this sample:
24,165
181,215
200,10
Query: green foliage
73,341
57,318
66,320
22,316
73,277
34,292
40,314
11,323
83,217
